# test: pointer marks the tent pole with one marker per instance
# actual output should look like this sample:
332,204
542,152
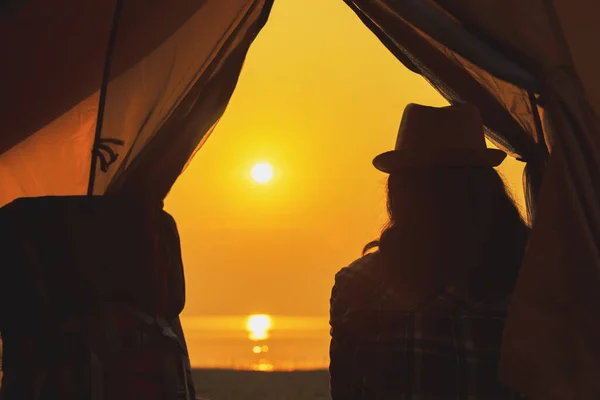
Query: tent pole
103,89
539,130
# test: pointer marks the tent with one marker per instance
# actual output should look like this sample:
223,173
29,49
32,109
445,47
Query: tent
108,98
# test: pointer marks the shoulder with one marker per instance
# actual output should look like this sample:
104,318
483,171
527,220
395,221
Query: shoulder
355,282
359,269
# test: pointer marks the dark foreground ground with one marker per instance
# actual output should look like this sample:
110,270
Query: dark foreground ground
251,385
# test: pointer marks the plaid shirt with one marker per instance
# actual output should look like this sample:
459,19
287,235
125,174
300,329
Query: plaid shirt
446,348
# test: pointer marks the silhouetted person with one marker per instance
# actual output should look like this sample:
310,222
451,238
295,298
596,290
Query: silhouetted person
422,316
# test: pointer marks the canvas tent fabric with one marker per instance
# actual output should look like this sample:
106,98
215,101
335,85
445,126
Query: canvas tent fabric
512,59
173,65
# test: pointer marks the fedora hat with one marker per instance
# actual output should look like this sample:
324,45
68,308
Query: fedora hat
439,137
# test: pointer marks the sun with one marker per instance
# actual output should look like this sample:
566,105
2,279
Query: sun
262,172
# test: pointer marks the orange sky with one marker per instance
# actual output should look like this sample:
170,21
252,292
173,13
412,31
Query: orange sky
318,98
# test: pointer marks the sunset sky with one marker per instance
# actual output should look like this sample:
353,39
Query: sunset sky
318,98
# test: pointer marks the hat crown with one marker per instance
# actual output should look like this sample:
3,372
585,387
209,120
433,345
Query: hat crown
440,129
439,137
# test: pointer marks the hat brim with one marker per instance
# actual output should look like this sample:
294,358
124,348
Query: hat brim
394,160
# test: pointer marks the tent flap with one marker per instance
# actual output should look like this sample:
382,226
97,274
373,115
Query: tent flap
450,33
53,54
182,80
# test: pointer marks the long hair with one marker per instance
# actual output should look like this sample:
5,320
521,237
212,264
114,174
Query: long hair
453,220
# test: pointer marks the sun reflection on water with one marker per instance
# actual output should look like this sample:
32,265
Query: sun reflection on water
260,349
258,326
265,367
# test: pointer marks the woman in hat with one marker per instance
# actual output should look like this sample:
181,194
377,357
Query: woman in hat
422,316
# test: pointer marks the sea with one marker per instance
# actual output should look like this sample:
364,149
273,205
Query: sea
236,359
